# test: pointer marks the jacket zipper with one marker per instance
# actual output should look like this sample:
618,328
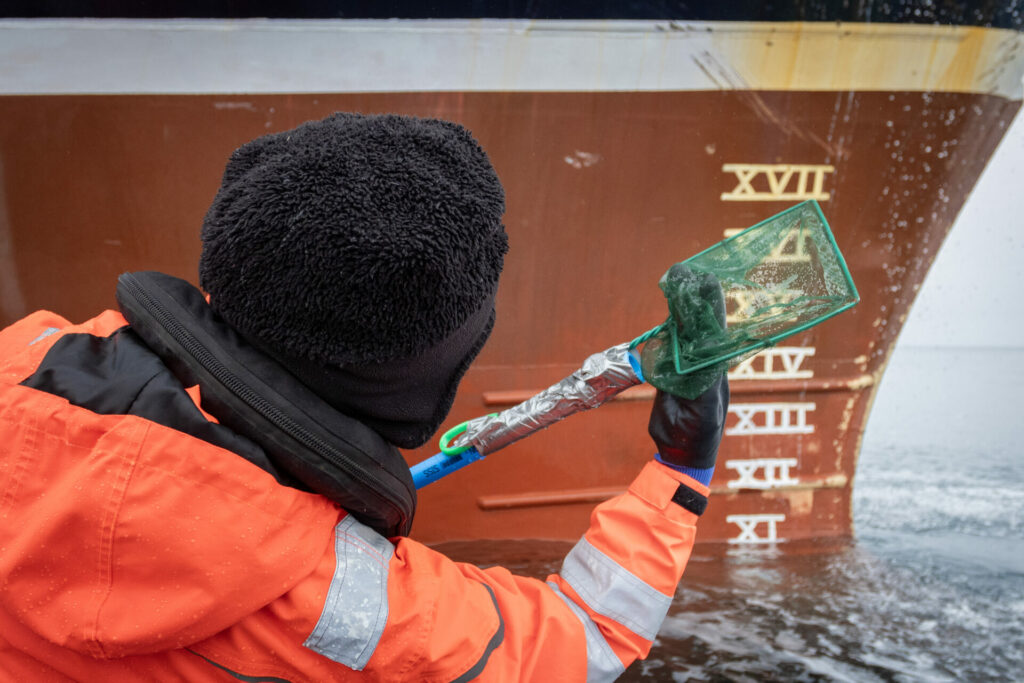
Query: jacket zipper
241,390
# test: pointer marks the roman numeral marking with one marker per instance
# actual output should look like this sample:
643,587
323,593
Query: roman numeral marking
748,525
741,304
791,249
771,418
780,362
778,178
776,473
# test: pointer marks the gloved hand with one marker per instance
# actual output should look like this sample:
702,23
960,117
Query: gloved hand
688,431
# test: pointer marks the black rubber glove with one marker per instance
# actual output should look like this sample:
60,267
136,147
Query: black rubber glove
688,432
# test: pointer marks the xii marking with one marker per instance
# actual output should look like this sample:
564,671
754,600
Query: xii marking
776,473
779,179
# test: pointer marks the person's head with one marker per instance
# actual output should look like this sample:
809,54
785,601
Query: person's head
363,253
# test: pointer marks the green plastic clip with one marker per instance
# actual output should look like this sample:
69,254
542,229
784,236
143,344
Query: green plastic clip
450,435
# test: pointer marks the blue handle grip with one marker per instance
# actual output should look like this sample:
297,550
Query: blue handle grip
441,465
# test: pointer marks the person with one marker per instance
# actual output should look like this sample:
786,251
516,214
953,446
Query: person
208,487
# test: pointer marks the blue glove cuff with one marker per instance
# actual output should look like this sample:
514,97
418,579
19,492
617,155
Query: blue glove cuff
701,475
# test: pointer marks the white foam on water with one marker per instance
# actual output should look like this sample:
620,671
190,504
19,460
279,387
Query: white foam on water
853,615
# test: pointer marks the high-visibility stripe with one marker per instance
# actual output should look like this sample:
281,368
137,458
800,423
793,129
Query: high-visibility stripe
611,590
45,333
356,607
602,664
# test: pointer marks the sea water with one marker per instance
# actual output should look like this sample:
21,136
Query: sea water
932,587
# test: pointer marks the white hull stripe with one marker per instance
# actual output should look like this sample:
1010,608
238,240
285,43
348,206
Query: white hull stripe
356,607
602,664
612,591
500,55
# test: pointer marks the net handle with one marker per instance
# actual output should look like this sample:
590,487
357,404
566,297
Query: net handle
647,335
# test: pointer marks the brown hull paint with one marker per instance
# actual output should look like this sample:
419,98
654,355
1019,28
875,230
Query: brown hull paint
605,191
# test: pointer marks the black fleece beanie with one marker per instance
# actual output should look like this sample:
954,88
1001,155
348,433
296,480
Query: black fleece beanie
363,253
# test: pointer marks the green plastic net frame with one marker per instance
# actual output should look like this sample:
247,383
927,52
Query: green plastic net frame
778,278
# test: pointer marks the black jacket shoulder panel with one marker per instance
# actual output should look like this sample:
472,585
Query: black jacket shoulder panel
120,375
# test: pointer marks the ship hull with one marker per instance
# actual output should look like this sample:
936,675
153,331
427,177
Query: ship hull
605,190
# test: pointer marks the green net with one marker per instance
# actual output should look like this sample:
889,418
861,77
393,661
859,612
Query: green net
748,292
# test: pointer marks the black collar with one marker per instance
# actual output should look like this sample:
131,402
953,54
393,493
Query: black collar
247,391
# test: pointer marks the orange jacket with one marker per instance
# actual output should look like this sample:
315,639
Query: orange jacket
132,551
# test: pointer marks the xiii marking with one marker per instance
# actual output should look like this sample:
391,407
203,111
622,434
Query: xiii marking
771,418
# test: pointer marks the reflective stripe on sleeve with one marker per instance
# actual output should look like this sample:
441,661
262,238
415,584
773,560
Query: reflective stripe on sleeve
612,591
602,664
356,607
46,333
